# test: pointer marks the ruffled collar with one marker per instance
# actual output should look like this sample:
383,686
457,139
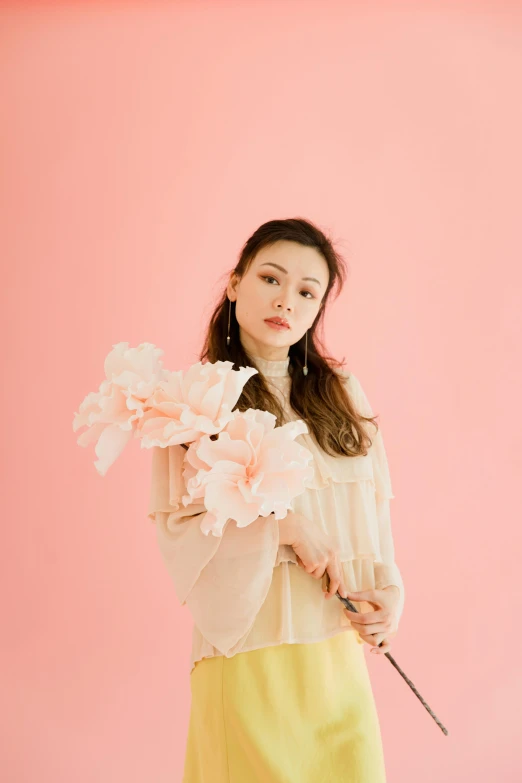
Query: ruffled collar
272,368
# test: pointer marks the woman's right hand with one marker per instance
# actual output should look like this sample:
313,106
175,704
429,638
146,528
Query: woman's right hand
313,549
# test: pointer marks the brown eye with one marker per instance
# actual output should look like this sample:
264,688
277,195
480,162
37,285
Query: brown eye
269,277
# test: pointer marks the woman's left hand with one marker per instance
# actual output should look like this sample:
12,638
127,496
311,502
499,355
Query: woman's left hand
373,627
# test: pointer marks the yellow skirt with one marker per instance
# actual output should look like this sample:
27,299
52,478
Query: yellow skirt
291,713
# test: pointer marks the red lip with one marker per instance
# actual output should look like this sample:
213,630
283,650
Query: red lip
282,321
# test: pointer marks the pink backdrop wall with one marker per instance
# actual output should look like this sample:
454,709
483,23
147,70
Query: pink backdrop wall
141,144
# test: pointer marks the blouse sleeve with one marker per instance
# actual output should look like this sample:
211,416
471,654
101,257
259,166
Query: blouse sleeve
386,570
223,580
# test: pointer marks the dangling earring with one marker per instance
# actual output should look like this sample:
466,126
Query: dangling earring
229,308
305,368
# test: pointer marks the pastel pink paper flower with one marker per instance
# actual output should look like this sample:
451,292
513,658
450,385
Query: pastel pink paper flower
111,414
252,469
192,403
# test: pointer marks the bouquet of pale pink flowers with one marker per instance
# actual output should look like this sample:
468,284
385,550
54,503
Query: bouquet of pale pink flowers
252,468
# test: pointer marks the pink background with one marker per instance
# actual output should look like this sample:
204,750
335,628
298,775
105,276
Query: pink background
141,145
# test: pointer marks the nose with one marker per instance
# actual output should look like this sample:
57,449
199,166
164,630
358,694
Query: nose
285,303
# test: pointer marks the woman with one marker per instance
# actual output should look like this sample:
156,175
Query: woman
279,681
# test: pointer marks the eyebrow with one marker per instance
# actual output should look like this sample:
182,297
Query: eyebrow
282,269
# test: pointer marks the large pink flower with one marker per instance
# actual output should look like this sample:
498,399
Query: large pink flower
187,405
252,469
111,414
141,399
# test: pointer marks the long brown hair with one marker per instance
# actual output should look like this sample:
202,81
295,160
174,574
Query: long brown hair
319,398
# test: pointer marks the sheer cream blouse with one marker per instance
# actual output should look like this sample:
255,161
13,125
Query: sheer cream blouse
244,590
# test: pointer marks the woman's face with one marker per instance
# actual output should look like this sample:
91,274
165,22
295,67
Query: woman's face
286,280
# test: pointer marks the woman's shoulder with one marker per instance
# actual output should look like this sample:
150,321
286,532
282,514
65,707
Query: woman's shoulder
354,389
346,376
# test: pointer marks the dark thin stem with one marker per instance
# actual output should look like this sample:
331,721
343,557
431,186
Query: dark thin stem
348,604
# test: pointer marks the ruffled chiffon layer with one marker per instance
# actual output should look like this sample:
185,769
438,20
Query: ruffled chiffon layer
243,589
